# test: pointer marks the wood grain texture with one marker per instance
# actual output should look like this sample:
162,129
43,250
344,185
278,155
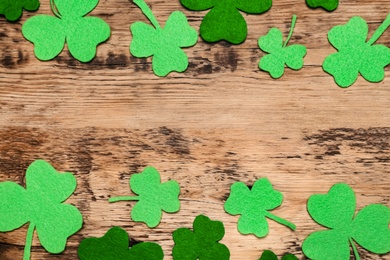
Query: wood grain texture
220,122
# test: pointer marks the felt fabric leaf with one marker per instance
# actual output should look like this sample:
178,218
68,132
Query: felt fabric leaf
14,199
376,239
369,228
75,8
49,42
202,242
329,5
114,245
222,26
82,43
164,44
40,203
154,197
355,55
279,53
13,9
269,255
82,34
224,21
143,46
254,205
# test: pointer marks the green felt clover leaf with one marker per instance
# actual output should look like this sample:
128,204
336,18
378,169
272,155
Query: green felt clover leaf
254,205
164,44
40,204
279,53
202,243
114,245
355,55
154,197
224,21
336,210
329,5
13,9
269,255
82,34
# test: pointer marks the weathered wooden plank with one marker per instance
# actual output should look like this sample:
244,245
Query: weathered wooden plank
206,163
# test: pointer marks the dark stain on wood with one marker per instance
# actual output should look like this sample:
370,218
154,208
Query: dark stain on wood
140,64
133,242
174,139
23,58
228,59
374,140
114,61
201,66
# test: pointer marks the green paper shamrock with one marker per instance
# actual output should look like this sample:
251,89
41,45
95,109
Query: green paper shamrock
13,9
40,204
154,197
114,245
355,55
329,5
164,44
336,210
254,205
224,21
279,53
82,34
269,255
202,243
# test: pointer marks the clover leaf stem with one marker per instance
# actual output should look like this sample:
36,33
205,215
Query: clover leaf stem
293,22
122,198
280,220
29,239
381,29
148,13
355,251
54,8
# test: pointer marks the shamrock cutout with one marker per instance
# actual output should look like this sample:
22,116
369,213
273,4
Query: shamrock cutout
224,21
329,5
13,9
154,197
253,206
336,210
269,255
279,53
355,55
164,44
202,243
40,203
114,245
82,34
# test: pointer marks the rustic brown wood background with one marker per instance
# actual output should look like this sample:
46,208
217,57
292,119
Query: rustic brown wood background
220,122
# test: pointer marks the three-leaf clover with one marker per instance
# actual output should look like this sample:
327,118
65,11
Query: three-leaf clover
328,5
13,9
224,21
82,34
154,197
355,55
279,53
114,245
40,204
269,255
254,205
336,210
202,243
164,44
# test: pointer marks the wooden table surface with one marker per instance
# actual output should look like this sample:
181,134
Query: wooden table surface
221,121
